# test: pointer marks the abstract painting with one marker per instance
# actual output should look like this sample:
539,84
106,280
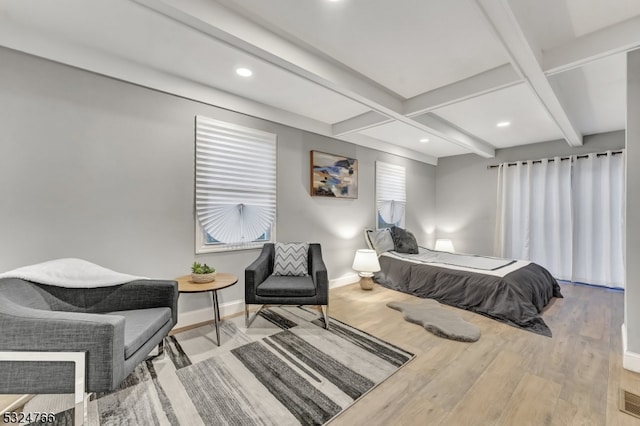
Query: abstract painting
333,175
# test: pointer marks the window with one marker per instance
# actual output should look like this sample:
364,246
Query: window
235,186
391,196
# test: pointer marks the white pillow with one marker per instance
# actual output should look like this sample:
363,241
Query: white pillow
380,240
291,259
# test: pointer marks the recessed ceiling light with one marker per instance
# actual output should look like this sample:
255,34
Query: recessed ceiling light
424,140
244,72
503,124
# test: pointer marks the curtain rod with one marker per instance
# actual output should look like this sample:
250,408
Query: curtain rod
515,163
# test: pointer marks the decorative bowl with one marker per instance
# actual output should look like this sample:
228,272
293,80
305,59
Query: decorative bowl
203,278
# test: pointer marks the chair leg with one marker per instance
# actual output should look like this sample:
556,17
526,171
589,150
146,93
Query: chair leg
160,353
248,320
325,309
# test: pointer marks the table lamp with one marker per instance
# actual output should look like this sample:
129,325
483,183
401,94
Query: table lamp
366,263
443,244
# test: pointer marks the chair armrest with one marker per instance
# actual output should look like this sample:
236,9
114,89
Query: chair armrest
318,272
258,271
25,329
139,294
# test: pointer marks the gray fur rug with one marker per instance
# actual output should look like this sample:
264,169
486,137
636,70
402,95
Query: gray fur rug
439,321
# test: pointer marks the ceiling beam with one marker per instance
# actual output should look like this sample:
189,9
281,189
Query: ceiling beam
215,20
432,120
486,82
451,134
438,127
22,39
480,84
360,122
618,38
373,143
611,40
501,18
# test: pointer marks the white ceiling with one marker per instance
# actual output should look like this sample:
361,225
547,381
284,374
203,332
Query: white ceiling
530,122
379,73
409,137
392,42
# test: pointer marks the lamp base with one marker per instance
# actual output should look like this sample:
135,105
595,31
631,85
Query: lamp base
366,283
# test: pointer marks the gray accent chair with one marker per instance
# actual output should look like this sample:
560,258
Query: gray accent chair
117,327
264,288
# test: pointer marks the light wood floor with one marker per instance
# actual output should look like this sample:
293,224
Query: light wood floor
508,377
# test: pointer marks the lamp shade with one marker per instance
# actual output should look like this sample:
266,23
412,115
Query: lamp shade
366,261
443,244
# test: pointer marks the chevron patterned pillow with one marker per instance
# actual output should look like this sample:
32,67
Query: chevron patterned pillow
291,259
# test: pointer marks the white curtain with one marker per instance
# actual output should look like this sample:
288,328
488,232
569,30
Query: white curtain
534,214
566,215
598,199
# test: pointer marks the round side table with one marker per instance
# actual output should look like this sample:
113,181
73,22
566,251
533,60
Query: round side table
223,280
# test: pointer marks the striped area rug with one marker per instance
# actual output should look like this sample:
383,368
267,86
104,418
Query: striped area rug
286,369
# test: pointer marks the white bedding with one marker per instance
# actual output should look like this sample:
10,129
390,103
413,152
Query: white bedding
419,258
70,272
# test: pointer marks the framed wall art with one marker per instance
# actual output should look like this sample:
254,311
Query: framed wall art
333,175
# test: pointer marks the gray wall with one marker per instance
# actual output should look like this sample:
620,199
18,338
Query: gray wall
466,191
100,169
632,285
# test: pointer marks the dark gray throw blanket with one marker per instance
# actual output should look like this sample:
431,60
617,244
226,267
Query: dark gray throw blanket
515,299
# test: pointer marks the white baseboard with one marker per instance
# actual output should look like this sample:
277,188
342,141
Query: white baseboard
344,280
630,360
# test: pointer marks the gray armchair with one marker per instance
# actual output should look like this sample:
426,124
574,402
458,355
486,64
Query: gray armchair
264,288
116,326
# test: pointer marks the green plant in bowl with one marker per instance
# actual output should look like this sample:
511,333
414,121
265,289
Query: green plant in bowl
202,273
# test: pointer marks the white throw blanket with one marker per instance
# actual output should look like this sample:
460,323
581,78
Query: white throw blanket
70,272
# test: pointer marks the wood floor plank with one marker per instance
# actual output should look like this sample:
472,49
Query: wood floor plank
597,323
572,378
449,384
589,366
532,403
478,408
564,413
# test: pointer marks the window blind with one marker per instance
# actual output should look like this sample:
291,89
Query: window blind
391,196
235,182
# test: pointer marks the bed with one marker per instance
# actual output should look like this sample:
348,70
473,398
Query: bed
510,291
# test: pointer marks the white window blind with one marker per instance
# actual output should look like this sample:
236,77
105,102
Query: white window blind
391,198
235,182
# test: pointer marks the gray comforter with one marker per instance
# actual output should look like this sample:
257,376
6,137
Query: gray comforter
516,299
